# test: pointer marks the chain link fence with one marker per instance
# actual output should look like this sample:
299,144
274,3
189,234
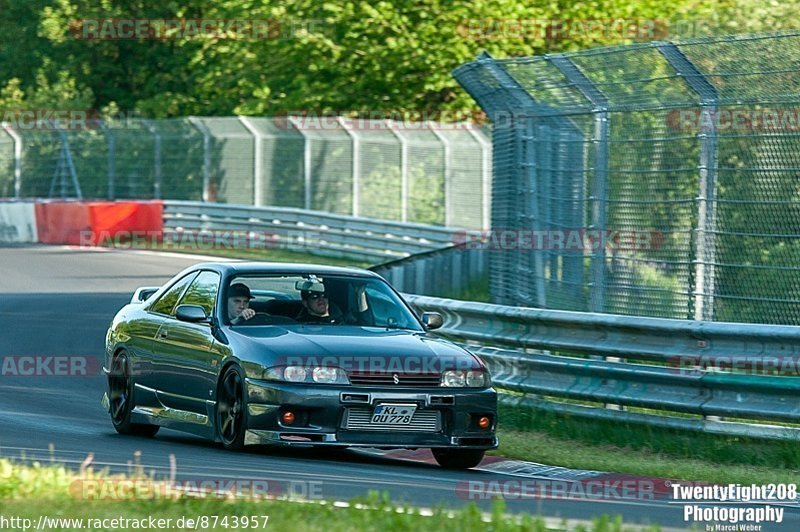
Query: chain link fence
657,179
421,172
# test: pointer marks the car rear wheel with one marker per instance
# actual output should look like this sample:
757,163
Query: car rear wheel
232,409
120,391
458,458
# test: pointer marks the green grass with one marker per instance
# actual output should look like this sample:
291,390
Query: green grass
581,443
28,492
476,291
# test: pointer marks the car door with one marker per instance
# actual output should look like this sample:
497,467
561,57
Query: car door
146,371
186,352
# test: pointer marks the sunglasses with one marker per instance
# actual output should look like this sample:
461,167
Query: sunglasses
314,296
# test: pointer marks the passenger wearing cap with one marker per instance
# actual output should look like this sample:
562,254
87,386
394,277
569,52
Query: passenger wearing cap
239,297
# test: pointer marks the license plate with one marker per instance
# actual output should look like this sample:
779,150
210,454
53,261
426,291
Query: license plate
393,414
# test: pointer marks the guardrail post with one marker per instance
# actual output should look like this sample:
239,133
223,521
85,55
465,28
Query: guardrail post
206,156
705,261
17,158
258,162
599,195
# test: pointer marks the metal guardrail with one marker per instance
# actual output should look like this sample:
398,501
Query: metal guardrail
606,363
313,232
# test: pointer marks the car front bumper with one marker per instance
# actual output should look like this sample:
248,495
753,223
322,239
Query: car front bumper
340,416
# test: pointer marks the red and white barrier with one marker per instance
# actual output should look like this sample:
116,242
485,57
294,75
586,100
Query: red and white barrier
79,223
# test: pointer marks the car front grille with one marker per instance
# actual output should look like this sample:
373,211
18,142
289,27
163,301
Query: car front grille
413,380
423,421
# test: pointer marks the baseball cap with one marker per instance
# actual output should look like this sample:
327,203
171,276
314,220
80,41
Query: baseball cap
307,286
240,290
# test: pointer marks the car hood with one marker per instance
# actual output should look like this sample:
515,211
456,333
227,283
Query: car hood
351,347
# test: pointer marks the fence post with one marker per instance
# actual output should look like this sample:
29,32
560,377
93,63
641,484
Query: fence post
258,162
403,170
600,183
486,177
520,106
356,165
17,159
112,159
707,180
196,122
156,158
448,172
307,192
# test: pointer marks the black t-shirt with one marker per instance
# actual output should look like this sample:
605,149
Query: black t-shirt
334,316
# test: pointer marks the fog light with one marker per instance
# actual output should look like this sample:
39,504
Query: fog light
288,418
484,422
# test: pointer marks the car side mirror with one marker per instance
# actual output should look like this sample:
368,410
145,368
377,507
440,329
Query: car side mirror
191,313
432,320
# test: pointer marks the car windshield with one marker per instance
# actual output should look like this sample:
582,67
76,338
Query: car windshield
337,300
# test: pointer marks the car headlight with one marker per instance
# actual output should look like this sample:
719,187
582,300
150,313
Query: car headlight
313,374
295,373
474,378
329,376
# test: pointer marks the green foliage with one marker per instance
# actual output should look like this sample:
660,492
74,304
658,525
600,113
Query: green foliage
321,56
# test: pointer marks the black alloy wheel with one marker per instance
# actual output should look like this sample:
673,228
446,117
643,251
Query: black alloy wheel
120,398
232,409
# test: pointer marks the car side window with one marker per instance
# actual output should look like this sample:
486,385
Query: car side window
383,309
203,292
166,303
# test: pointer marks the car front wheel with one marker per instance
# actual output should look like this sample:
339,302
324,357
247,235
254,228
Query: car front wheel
458,458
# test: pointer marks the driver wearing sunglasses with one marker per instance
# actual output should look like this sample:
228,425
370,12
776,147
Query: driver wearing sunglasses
316,306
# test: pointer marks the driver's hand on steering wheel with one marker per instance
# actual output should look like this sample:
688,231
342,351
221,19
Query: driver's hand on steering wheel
245,315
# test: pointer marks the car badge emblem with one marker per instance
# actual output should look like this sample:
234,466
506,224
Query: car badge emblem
396,378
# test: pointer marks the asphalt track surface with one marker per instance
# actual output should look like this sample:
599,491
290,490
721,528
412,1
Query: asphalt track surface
59,301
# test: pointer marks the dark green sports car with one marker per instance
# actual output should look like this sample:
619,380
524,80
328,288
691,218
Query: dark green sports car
295,354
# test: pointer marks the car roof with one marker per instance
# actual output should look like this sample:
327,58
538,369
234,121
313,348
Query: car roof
248,267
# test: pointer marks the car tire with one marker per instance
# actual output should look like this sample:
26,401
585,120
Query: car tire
458,458
121,399
231,409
